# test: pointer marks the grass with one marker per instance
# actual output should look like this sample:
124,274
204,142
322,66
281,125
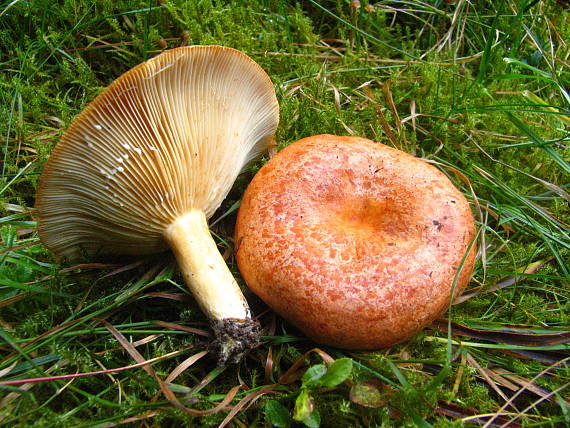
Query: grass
480,91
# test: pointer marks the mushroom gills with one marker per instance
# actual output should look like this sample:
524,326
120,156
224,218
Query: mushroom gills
151,159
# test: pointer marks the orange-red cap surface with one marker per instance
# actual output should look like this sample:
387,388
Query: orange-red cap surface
354,242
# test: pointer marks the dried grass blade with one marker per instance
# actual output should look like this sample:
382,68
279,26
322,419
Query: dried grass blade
142,417
17,247
455,412
390,100
223,404
531,386
123,269
269,365
76,375
505,282
533,405
169,395
488,379
546,357
146,340
8,369
383,122
247,400
184,365
459,376
179,297
291,375
336,93
88,266
150,273
497,375
11,300
179,327
504,337
520,391
140,359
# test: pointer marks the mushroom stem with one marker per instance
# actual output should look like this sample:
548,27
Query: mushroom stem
213,286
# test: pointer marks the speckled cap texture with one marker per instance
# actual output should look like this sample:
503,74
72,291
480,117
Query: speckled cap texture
357,244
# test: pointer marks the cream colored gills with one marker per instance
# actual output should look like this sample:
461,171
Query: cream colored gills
167,137
153,157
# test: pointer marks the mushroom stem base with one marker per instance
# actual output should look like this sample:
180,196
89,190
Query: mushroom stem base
234,337
213,286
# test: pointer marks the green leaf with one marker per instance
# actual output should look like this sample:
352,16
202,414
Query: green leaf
277,414
337,372
367,393
313,420
303,406
313,374
39,361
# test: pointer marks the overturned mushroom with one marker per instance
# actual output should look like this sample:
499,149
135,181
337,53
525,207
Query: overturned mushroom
146,164
357,244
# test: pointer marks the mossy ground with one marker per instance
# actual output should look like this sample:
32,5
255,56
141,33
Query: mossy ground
482,91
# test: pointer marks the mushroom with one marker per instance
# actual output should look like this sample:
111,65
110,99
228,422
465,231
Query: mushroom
146,164
357,244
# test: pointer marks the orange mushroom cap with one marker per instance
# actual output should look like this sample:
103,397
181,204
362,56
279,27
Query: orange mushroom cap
357,244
